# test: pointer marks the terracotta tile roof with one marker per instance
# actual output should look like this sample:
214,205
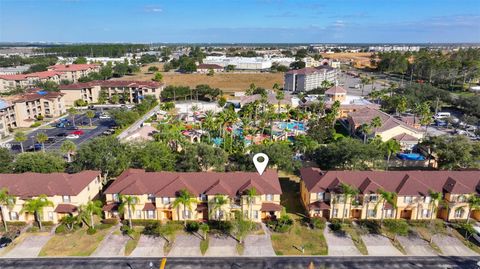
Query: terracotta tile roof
149,207
405,138
110,207
72,67
44,74
367,114
168,184
65,208
209,66
336,90
34,94
35,184
403,182
112,83
13,77
319,205
270,207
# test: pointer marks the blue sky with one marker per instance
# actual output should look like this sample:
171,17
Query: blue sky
252,21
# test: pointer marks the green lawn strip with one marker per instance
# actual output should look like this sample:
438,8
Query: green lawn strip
355,234
204,246
458,233
241,248
133,241
290,198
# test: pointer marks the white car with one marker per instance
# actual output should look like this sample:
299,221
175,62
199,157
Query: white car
477,233
105,116
72,136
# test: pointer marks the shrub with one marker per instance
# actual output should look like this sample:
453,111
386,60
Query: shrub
192,226
103,226
126,230
397,227
372,226
60,229
281,225
222,226
35,124
318,223
47,223
91,231
335,227
39,117
110,221
80,102
140,222
16,223
152,229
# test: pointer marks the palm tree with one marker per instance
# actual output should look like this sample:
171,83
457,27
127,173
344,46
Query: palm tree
69,221
347,191
20,137
473,204
251,193
35,206
279,96
376,123
68,147
435,198
6,200
90,115
87,211
205,229
218,202
391,147
387,197
365,129
425,116
186,199
41,138
128,202
72,111
363,81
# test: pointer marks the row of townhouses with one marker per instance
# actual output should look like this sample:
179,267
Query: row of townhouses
219,195
55,73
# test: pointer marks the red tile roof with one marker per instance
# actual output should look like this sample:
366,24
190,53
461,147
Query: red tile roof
65,208
41,75
168,184
367,114
149,207
319,205
270,207
13,77
336,90
72,67
405,138
35,184
110,207
33,95
415,183
112,83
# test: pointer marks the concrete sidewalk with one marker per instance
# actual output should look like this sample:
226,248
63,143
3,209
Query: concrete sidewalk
340,245
378,245
149,246
30,247
221,246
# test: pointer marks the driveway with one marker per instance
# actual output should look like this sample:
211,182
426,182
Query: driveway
112,246
149,246
451,246
221,246
416,246
378,245
339,244
186,245
29,247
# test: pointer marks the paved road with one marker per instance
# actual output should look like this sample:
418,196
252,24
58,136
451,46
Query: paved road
29,247
245,263
149,246
186,245
415,246
450,245
221,246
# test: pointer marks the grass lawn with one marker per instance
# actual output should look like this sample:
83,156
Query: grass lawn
290,198
204,246
78,243
291,242
132,242
355,234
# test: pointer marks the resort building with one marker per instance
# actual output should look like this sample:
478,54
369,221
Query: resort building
205,68
215,195
11,82
128,91
67,192
308,78
336,93
322,194
287,101
390,128
72,72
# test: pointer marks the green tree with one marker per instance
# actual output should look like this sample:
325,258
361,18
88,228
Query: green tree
6,160
390,147
241,227
41,138
20,137
219,201
115,99
36,206
473,204
152,69
106,72
68,147
153,156
347,192
72,112
89,210
387,197
279,96
435,198
222,101
158,77
128,202
250,196
80,60
6,200
201,157
90,115
205,229
38,162
186,199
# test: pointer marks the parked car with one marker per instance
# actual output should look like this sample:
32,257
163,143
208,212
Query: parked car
78,132
72,127
105,116
72,136
5,241
61,134
60,125
476,235
107,132
50,140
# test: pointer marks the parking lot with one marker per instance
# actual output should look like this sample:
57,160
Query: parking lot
58,135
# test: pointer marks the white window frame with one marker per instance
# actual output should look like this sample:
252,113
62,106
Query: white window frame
66,199
407,199
426,213
116,197
255,214
165,200
150,214
388,213
321,196
371,213
427,199
268,197
138,214
373,198
457,211
50,215
13,216
335,213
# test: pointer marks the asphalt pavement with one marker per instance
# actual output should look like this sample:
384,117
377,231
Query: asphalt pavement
244,262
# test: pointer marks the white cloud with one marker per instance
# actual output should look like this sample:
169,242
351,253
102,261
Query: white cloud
152,9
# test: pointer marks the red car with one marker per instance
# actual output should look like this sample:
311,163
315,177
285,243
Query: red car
78,132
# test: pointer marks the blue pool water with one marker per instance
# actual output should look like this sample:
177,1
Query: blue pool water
291,126
411,156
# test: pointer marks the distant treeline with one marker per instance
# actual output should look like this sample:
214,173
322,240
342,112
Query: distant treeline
100,50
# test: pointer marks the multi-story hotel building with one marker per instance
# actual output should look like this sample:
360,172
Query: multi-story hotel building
308,78
157,191
322,194
72,72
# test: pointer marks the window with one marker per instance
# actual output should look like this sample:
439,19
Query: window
427,199
13,216
388,213
255,214
462,199
269,197
165,200
115,197
150,214
340,198
371,213
186,214
335,213
425,213
407,199
345,212
66,199
50,215
316,212
321,196
138,214
459,212
203,197
373,197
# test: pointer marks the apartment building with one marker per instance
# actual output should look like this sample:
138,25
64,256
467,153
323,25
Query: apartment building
23,109
72,72
322,194
128,91
156,193
67,192
11,82
308,78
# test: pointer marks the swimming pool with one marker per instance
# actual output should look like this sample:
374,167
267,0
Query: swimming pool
295,125
410,156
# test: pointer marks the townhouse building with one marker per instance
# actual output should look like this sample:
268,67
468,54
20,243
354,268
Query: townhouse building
156,193
72,72
322,194
11,82
67,192
308,78
128,91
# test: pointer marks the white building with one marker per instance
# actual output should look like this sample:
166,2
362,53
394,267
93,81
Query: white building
240,63
14,70
308,78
